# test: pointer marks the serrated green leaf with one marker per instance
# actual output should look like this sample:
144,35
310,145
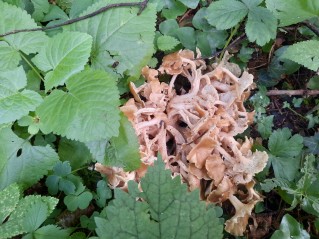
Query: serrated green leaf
312,143
166,43
313,83
17,222
40,8
9,57
187,37
89,110
199,20
284,149
9,200
127,38
13,18
265,125
305,53
293,11
64,55
51,232
21,162
226,14
261,25
167,211
79,6
81,201
15,103
290,228
123,150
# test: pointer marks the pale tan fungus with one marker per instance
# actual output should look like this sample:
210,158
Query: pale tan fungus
193,130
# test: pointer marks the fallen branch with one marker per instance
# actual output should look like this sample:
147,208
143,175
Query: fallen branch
141,5
293,92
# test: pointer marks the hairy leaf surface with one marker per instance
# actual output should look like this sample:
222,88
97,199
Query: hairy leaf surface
21,162
167,211
87,111
9,57
64,55
305,53
15,103
14,18
293,11
9,200
120,35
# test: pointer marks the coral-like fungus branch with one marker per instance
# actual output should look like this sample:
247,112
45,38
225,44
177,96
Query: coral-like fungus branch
193,128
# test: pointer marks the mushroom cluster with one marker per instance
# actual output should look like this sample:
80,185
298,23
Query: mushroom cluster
192,121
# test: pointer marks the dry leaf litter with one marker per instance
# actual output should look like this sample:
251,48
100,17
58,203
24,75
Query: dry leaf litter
193,129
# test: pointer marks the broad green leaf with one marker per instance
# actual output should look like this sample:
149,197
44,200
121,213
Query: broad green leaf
199,20
284,150
226,14
51,232
9,200
9,57
190,3
21,162
313,83
26,216
120,35
36,216
174,9
290,228
169,27
64,55
293,11
75,152
261,25
13,18
123,150
87,111
305,53
209,41
187,37
167,210
79,6
15,103
166,43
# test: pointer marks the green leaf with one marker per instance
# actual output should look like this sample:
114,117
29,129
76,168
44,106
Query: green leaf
81,201
79,6
127,38
187,37
26,216
313,83
75,152
9,57
226,14
9,200
305,53
169,27
199,20
37,214
15,103
13,18
265,125
190,3
123,150
293,11
167,210
89,109
51,232
40,8
290,228
59,180
21,162
261,25
103,193
209,41
166,43
284,149
64,55
312,143
174,9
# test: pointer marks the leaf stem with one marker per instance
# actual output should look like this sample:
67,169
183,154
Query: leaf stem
233,32
31,66
78,169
